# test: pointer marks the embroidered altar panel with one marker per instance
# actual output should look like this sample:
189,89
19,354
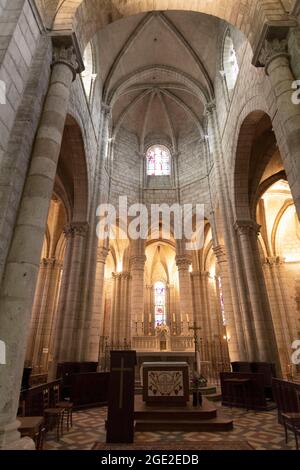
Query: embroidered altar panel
166,382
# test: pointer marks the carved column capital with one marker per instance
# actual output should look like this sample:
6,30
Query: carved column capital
76,228
272,50
120,276
80,228
48,262
247,227
220,253
274,261
183,263
210,107
106,109
102,254
66,51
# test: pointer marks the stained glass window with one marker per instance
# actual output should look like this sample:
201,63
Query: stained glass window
158,161
160,303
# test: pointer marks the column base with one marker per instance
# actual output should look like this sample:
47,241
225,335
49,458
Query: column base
10,438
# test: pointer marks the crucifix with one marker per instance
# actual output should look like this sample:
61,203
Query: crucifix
195,329
121,369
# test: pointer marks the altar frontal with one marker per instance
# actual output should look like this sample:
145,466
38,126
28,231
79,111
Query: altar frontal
165,382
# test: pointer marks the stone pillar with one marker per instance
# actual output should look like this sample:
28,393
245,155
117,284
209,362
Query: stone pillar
120,309
185,288
274,56
233,322
285,328
229,256
46,302
198,304
97,336
21,271
71,295
263,327
137,271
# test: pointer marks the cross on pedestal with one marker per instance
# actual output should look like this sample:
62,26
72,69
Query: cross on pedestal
121,369
195,329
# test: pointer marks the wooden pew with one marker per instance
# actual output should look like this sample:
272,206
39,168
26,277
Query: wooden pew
89,389
33,398
244,390
65,370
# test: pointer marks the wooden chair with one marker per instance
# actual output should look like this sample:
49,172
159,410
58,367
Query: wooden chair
66,405
32,426
291,422
53,416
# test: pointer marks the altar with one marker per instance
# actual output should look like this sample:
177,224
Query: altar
163,356
165,382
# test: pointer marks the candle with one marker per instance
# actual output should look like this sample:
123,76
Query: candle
187,318
150,318
174,318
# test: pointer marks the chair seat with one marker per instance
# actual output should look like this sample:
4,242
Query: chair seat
53,411
292,417
30,423
64,404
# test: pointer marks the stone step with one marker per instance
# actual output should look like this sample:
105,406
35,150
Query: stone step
209,425
214,397
209,390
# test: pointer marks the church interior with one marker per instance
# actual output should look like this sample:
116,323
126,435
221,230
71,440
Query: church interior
168,102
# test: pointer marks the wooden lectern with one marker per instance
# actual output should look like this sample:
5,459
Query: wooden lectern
120,418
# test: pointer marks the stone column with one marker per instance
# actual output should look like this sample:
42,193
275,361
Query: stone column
97,336
120,308
185,288
263,327
46,299
198,304
70,296
35,315
233,322
21,271
274,56
285,328
137,271
229,256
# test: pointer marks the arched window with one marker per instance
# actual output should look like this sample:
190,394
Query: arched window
158,161
230,63
160,303
87,75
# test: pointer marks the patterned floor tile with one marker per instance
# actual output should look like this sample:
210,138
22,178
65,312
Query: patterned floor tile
261,430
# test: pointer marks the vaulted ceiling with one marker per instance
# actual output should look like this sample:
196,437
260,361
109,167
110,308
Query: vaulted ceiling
157,71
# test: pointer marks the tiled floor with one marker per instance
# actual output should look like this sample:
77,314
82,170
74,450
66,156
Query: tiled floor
260,429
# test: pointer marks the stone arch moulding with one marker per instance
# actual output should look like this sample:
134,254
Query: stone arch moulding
242,154
288,203
80,169
86,17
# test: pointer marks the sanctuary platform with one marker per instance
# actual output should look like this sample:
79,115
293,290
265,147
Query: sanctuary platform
167,417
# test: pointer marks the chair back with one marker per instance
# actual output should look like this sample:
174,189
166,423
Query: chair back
46,398
56,394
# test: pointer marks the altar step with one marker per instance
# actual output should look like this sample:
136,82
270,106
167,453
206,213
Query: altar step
211,425
179,418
